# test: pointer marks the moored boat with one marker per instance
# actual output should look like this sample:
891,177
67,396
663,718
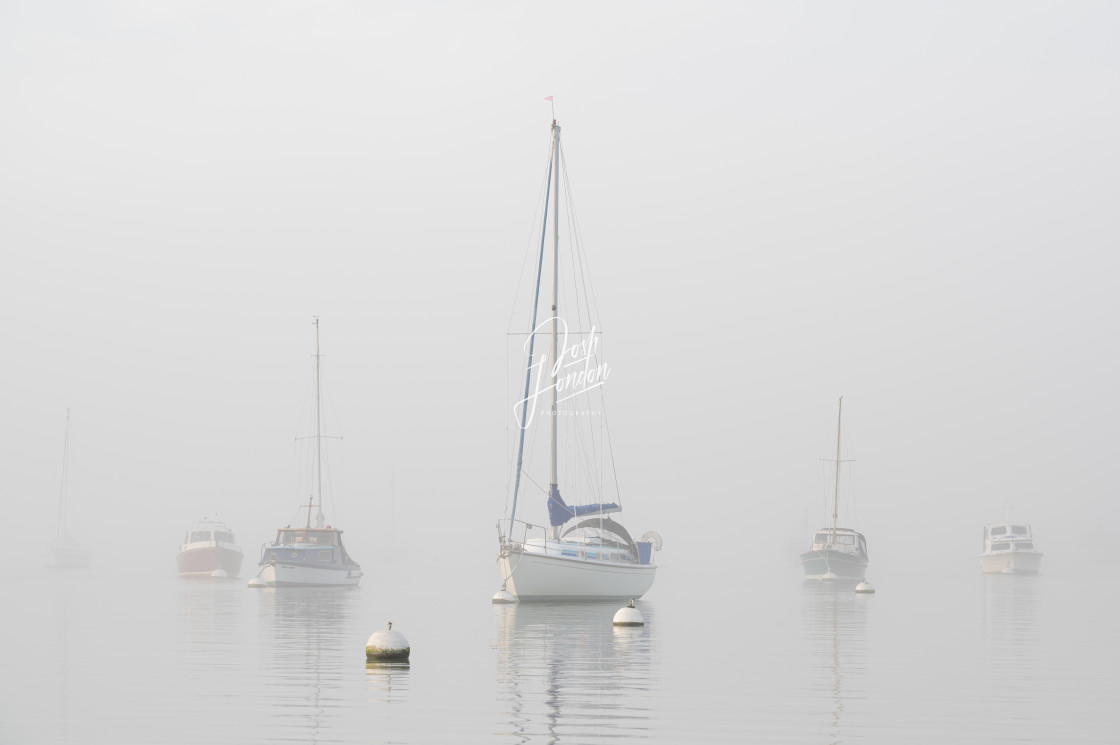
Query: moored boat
312,555
308,556
583,552
1009,549
65,552
836,553
207,550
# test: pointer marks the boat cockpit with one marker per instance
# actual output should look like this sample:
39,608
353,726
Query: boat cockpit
842,539
1008,537
308,536
209,536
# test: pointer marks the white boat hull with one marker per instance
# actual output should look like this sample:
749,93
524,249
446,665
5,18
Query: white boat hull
69,556
536,576
290,575
1011,562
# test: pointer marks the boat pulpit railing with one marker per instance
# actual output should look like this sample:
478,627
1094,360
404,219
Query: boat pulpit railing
518,533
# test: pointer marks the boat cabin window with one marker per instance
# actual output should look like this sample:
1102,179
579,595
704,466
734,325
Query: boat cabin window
199,535
1001,546
1024,546
1019,529
222,535
314,537
998,531
842,539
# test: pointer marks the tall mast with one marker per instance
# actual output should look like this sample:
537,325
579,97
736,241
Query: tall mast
318,431
553,480
532,344
62,489
836,483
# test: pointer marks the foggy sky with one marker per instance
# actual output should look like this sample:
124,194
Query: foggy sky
913,206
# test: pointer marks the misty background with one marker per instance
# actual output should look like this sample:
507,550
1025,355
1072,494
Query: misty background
913,206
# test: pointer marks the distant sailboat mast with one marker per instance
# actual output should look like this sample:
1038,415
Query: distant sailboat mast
836,481
318,439
62,489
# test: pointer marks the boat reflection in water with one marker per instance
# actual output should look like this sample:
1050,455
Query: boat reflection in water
308,651
1010,628
836,631
564,672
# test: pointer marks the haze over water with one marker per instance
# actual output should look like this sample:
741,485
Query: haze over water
963,658
912,205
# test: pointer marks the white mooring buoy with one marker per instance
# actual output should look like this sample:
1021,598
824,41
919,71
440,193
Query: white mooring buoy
257,582
387,645
502,597
219,574
829,576
629,616
865,588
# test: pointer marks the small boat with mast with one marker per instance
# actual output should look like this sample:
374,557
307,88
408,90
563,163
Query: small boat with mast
584,552
312,555
836,553
65,552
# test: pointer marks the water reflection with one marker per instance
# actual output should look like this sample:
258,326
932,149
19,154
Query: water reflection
566,674
836,629
304,632
1010,629
384,677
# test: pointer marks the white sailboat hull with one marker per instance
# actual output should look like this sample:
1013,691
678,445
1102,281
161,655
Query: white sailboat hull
534,576
68,556
290,575
1011,562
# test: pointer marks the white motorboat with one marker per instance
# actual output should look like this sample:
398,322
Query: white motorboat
1009,549
581,551
313,554
209,550
65,552
836,553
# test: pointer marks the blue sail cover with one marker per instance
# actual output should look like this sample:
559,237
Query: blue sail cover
560,513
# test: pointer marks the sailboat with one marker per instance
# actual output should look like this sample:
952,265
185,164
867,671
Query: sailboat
65,552
312,554
836,553
583,552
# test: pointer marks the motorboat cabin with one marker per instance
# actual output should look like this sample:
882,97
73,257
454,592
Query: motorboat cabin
836,553
209,550
1009,549
308,556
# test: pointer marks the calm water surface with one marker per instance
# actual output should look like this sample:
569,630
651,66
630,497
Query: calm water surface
93,657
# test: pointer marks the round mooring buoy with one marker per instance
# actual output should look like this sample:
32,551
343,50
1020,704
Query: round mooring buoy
501,597
219,574
257,582
629,616
865,588
387,644
830,576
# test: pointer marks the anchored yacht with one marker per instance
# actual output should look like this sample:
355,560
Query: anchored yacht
1009,549
208,550
836,553
579,551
